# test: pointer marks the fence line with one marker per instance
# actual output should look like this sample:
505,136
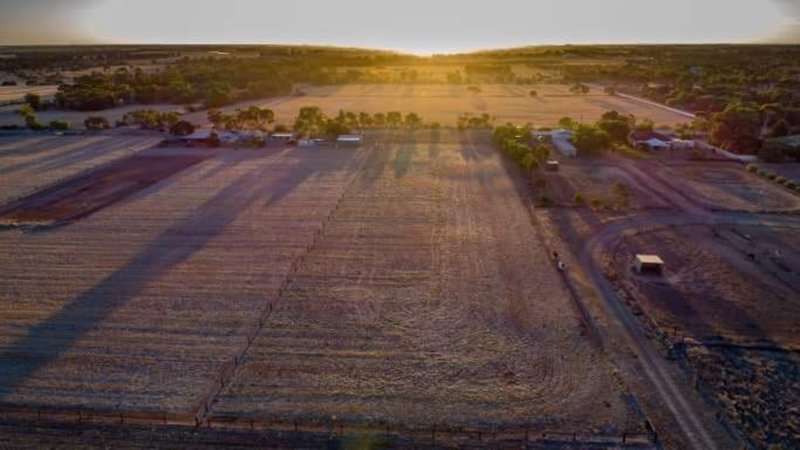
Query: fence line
331,429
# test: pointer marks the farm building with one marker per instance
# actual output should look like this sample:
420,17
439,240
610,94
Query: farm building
651,140
649,264
561,140
349,140
283,138
551,165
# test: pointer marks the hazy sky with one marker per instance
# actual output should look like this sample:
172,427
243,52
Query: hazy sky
421,26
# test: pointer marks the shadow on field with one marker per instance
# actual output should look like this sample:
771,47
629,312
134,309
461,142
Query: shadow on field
77,153
403,156
45,342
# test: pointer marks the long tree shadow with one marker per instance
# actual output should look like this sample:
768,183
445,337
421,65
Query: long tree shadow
402,158
46,341
83,151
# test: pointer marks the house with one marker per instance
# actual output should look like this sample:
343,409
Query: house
561,140
551,165
349,140
649,264
650,140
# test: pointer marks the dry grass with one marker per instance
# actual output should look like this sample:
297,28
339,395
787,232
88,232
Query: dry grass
443,103
428,300
30,163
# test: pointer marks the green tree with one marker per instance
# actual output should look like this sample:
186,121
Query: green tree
310,121
394,119
182,128
35,100
590,139
216,117
567,123
96,123
413,120
59,125
737,128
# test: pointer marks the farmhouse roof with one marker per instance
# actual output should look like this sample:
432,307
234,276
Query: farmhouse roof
656,143
642,136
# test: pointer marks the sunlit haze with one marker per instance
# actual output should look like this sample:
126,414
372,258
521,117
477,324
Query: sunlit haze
416,26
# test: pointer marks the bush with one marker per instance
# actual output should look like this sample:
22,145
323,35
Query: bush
781,180
59,125
579,199
752,168
545,200
596,204
791,184
761,172
96,123
771,176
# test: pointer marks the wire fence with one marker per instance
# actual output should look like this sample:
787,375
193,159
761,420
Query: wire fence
329,429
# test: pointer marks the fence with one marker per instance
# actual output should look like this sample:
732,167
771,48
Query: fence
329,430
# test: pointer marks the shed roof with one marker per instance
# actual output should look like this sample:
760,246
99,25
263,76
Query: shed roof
349,138
642,136
649,259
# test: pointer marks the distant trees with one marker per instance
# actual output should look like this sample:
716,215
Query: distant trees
590,139
468,120
28,115
579,88
151,119
737,128
96,123
59,125
35,100
616,126
567,123
182,128
514,142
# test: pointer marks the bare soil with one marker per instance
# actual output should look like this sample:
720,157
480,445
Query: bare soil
81,196
428,300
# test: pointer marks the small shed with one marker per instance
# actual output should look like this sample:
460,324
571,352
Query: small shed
551,165
649,264
281,137
349,140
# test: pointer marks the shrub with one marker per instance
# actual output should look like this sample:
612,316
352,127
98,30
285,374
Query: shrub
761,172
781,180
752,168
59,125
596,204
545,200
579,199
791,184
96,123
771,175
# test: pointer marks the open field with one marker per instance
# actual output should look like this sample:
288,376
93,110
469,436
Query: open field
727,186
443,103
593,179
80,196
733,291
405,282
10,94
142,302
711,290
447,310
9,115
29,163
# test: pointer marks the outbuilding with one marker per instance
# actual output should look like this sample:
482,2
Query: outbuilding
651,140
349,140
551,165
649,264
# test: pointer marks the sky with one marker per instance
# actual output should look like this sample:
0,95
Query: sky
416,26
